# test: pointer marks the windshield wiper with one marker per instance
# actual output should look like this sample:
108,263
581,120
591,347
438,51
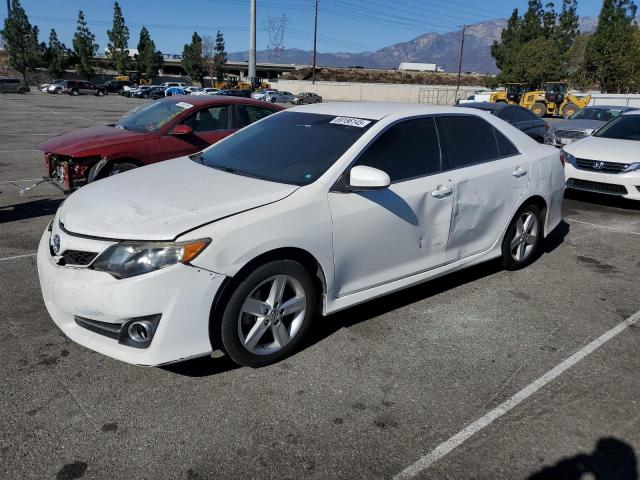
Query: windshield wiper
197,157
236,171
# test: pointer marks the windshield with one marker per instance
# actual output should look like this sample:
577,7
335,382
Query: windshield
152,117
602,114
625,127
289,147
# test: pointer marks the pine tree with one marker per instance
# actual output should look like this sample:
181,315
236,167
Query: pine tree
567,29
192,58
85,48
532,22
220,58
118,46
54,55
611,59
21,40
149,59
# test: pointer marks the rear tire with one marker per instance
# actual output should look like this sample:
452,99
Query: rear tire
539,109
100,93
273,99
283,296
523,240
569,110
74,93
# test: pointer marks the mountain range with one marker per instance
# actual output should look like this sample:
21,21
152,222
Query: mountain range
440,48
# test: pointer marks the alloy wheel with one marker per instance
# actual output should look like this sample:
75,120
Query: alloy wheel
525,237
272,315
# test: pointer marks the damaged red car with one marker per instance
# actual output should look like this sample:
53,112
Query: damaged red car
161,130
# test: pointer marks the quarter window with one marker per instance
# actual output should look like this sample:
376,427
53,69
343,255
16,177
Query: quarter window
505,147
406,150
467,140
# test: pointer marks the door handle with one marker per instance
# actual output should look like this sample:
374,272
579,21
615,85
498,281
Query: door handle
442,192
519,172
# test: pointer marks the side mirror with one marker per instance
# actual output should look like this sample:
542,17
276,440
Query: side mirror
368,178
182,130
589,131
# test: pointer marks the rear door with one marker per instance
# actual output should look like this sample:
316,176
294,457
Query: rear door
209,124
383,235
489,177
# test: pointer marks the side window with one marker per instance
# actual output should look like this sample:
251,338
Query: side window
466,140
518,114
406,150
209,119
247,114
505,147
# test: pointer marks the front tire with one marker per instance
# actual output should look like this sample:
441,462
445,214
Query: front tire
273,99
268,314
539,109
523,241
75,93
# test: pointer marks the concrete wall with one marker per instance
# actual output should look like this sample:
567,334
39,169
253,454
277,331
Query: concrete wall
630,100
380,92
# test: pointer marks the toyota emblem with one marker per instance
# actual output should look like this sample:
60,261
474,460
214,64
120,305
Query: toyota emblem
598,165
55,243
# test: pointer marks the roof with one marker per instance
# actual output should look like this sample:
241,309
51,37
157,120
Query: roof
489,105
199,100
375,110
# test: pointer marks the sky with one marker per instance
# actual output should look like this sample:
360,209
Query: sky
343,25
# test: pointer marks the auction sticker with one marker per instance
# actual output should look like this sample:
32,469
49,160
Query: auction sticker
184,105
351,122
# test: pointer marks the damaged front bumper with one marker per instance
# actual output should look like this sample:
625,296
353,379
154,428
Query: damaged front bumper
67,173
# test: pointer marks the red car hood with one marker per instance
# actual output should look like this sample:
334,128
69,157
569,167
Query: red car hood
80,141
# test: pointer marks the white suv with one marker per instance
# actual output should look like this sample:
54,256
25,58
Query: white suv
305,212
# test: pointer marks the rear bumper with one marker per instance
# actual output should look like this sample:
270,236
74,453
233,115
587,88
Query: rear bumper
626,185
181,295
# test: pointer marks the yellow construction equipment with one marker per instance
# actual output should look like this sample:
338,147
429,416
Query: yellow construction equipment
554,100
512,94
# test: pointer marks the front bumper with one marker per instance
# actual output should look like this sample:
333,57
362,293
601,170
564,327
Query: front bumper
182,294
626,185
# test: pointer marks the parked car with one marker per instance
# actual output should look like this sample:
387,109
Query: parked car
142,91
191,90
521,118
174,91
258,95
76,87
116,86
206,91
582,124
43,87
307,212
156,131
156,92
173,84
13,85
235,92
609,160
305,98
280,97
56,87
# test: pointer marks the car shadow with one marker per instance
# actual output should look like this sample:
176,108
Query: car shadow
33,209
394,203
612,459
602,199
205,366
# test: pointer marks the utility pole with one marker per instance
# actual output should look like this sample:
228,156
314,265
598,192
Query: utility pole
315,43
464,29
252,42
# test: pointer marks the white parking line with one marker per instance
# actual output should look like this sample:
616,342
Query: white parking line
463,435
26,255
613,229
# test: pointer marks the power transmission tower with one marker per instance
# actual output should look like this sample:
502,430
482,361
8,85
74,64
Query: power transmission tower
464,29
275,27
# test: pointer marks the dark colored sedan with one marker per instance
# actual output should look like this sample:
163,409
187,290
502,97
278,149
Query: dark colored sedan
156,131
521,118
235,92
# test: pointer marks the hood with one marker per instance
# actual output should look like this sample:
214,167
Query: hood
577,125
79,141
606,149
161,201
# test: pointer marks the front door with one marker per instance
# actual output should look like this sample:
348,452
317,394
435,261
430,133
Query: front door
489,177
384,235
209,125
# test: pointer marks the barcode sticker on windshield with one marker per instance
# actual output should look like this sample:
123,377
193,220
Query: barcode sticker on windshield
350,121
184,105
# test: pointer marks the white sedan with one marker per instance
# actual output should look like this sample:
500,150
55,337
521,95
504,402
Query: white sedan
609,160
304,213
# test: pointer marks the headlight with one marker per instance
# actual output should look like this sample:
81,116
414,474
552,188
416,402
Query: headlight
566,157
634,167
129,259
